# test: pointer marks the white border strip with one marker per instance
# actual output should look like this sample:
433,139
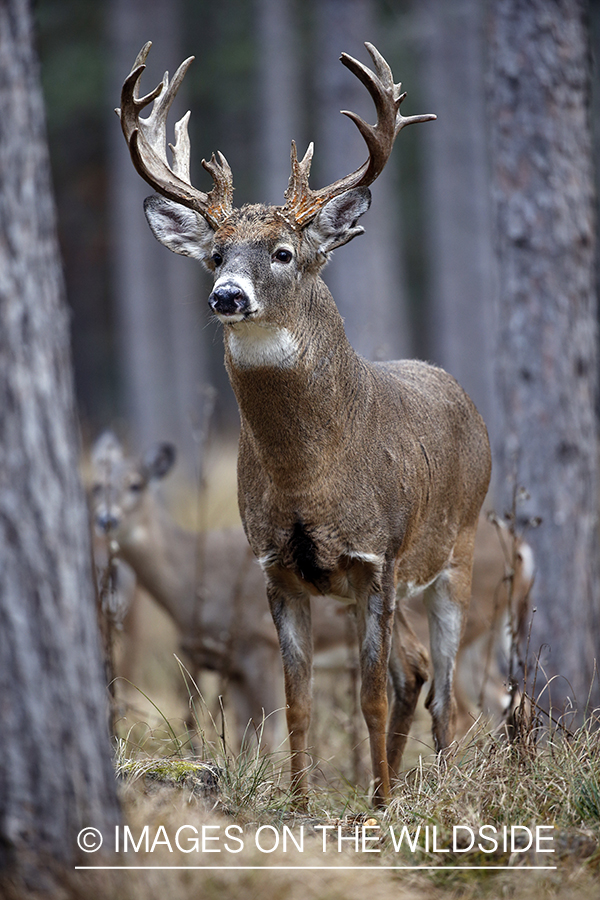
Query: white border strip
373,868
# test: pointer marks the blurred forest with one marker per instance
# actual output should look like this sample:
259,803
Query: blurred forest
423,280
265,73
480,254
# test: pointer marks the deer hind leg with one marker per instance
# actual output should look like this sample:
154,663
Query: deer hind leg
374,618
291,615
447,602
408,671
258,697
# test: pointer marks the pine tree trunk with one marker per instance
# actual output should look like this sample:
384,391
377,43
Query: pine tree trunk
547,333
278,76
55,768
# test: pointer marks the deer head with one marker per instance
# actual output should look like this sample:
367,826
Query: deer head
120,483
286,241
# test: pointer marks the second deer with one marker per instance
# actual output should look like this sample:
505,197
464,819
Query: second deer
209,584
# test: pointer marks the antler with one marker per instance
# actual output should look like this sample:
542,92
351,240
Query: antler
302,203
146,139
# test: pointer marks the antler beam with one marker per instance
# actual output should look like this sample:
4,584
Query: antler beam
147,142
146,139
302,203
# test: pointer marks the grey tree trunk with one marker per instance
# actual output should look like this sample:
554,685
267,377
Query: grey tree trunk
459,235
367,277
159,319
547,356
55,768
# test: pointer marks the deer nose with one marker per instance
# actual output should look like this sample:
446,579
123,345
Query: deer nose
229,300
106,522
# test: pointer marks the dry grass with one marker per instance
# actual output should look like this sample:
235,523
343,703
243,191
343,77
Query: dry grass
547,777
553,780
485,781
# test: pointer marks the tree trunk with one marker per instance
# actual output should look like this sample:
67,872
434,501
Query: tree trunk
55,768
547,358
278,77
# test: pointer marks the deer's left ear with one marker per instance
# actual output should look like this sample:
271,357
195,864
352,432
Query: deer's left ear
158,460
335,224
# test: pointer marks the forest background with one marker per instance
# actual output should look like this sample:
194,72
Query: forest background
479,254
441,273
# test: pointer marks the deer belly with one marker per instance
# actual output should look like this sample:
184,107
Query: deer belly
321,568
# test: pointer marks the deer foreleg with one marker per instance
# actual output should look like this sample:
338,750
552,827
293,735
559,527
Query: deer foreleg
291,615
447,602
374,621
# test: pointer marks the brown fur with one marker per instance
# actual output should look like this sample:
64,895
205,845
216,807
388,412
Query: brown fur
210,585
355,479
379,461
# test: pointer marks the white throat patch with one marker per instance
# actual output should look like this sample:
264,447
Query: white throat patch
254,346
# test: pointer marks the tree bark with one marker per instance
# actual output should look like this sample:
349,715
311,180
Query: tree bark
547,357
55,768
278,78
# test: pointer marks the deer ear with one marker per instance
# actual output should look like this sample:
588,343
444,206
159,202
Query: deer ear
180,229
159,460
107,446
335,224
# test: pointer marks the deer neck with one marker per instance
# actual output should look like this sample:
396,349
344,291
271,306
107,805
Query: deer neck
295,385
163,557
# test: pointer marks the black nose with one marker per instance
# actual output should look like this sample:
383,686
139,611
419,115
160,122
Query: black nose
228,300
106,522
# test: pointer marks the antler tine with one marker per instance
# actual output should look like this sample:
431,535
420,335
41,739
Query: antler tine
299,175
147,143
302,202
155,125
181,149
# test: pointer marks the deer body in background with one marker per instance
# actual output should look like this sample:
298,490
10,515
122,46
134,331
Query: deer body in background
496,623
358,480
209,583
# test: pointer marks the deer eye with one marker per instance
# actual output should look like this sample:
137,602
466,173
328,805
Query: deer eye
282,256
217,259
136,486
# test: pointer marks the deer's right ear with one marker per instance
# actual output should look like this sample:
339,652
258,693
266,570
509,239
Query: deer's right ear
180,229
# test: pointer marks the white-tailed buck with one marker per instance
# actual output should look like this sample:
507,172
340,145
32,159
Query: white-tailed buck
359,480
